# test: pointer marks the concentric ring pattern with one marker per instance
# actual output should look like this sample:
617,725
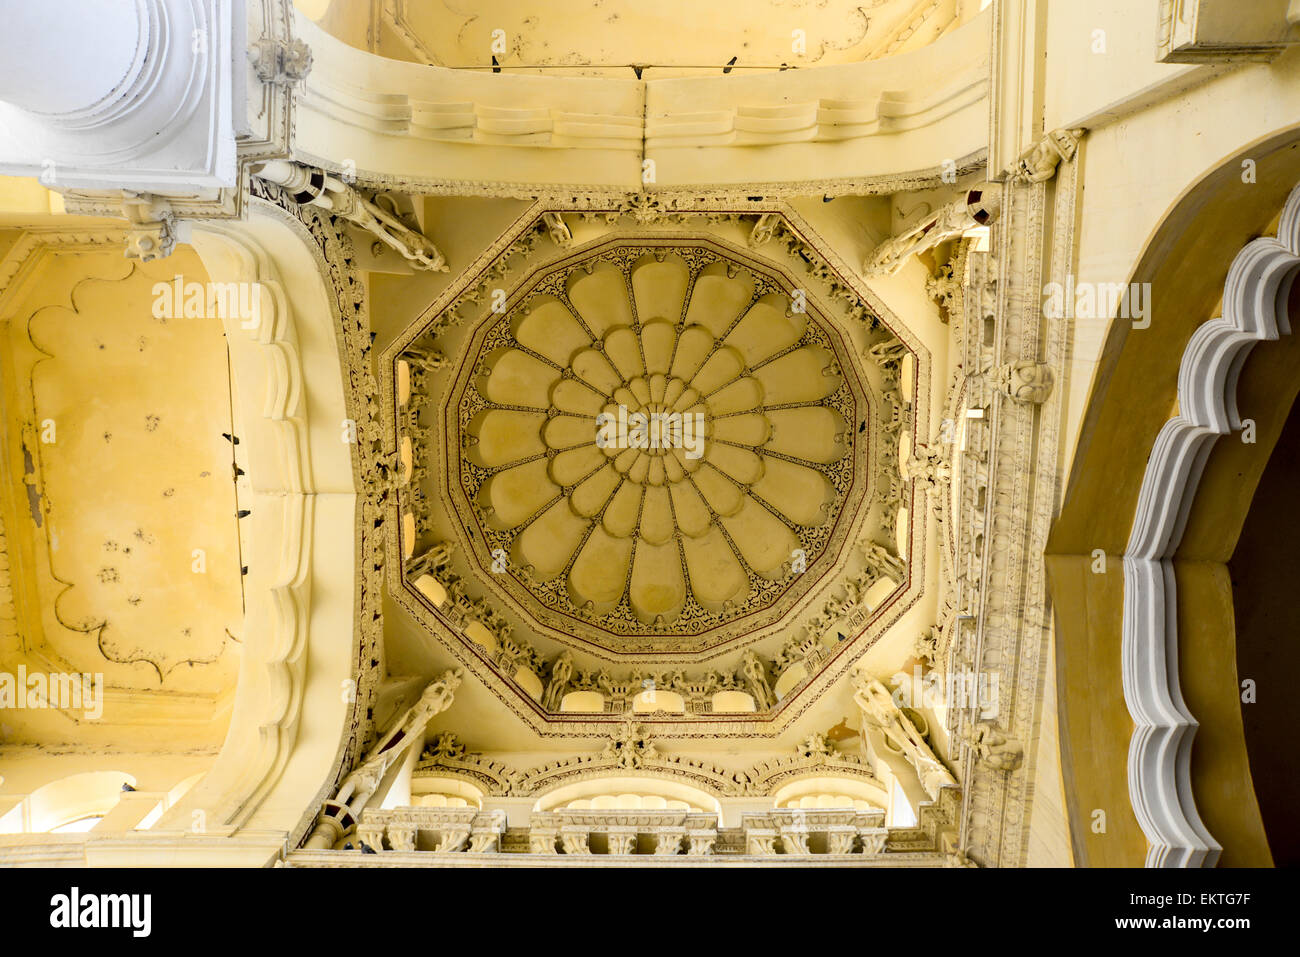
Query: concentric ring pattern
694,514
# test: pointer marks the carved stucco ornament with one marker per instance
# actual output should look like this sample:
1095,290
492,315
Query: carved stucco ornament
993,748
652,440
1025,381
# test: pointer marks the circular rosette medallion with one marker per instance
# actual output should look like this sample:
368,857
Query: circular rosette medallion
657,445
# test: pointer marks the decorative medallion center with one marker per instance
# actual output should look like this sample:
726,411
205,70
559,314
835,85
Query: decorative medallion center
659,442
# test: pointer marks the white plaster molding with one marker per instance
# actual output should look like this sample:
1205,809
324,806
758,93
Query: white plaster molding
1216,31
298,648
1159,766
169,124
393,121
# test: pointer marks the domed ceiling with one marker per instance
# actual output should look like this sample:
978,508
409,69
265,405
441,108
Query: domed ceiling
655,441
661,447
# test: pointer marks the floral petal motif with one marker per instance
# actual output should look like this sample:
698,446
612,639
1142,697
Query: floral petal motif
657,525
600,297
799,376
768,328
512,377
685,462
656,473
624,459
594,491
657,589
718,297
513,496
639,389
808,432
749,429
741,396
506,435
692,349
565,431
549,542
599,575
740,464
594,369
687,400
717,576
623,350
693,516
657,341
623,511
721,369
765,543
722,494
571,467
659,288
549,329
713,460
570,395
802,493
640,470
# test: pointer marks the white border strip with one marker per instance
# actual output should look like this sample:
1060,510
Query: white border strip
1159,764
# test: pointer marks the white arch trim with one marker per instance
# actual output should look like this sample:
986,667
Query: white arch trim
299,627
1159,764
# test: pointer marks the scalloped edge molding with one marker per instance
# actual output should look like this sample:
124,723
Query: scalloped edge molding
298,651
1159,762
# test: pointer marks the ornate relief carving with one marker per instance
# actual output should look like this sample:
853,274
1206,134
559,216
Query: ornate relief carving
630,749
473,297
340,814
993,748
881,713
153,231
442,830
446,757
976,207
309,186
1039,162
557,229
795,830
751,470
280,61
1025,381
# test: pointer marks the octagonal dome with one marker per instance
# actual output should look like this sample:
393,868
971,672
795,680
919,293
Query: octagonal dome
652,444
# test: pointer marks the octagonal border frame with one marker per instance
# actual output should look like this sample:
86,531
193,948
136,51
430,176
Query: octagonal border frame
769,724
734,633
